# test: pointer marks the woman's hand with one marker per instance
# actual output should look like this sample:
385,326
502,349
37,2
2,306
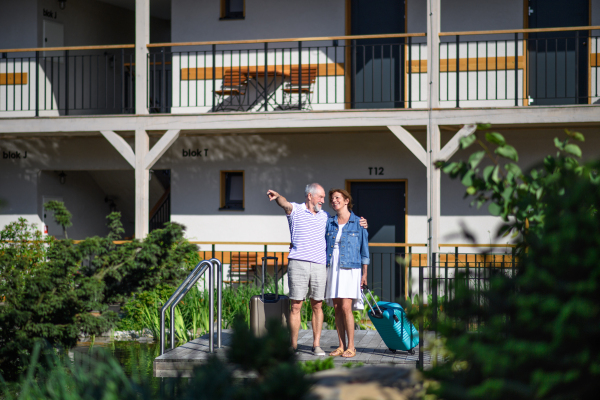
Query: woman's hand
363,280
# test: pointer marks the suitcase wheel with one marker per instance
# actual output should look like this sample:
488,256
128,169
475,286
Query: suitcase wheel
411,351
392,350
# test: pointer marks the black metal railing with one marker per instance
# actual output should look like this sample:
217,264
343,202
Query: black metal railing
162,212
439,279
517,70
370,73
244,267
67,82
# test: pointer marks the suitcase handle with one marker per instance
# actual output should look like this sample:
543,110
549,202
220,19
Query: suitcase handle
376,313
264,264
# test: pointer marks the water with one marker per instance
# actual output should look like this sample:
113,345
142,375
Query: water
136,359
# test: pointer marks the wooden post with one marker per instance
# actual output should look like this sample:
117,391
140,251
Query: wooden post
433,130
142,38
142,184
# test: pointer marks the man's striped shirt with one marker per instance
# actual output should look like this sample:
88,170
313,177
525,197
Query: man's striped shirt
307,231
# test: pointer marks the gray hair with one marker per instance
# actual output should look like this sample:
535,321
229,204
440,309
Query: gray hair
312,189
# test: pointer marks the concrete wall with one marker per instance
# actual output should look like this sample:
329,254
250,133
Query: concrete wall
90,22
195,20
468,15
22,184
285,163
82,197
15,16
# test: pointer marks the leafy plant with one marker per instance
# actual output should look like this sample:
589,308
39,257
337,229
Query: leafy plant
62,216
273,374
50,293
518,197
54,378
320,364
538,330
351,364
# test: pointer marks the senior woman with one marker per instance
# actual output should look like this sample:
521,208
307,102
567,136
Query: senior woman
347,261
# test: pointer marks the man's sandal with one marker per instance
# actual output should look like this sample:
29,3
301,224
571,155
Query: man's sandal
349,353
337,352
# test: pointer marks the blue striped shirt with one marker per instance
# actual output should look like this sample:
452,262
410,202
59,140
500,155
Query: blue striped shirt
307,231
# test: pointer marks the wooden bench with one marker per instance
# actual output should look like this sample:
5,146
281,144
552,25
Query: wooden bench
242,265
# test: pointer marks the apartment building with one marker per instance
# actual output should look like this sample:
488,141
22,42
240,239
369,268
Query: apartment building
189,110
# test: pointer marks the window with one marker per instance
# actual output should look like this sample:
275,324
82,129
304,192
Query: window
232,190
233,9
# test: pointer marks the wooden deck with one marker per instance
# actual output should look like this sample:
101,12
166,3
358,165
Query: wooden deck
369,345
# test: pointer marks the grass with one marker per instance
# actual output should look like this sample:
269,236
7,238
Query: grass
192,313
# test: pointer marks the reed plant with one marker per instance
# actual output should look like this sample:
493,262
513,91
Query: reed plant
192,313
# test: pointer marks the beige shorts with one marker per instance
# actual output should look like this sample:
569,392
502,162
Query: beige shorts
304,275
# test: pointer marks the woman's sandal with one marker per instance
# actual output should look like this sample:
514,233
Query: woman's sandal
349,353
337,352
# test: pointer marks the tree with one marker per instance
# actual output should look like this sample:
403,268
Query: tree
537,332
50,294
518,197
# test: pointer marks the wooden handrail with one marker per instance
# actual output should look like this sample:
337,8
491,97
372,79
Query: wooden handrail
305,39
288,243
529,30
478,245
397,245
109,46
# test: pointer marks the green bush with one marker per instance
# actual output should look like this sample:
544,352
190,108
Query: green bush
52,286
538,332
320,364
270,366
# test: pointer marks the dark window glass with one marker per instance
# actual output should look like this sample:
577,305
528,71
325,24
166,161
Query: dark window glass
234,8
234,191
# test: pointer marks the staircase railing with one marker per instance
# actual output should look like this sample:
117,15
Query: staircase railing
183,289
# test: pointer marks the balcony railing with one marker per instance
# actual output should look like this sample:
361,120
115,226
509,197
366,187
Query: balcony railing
393,272
522,67
282,74
519,67
67,81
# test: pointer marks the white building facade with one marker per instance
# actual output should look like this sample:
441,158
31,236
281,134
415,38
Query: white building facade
240,96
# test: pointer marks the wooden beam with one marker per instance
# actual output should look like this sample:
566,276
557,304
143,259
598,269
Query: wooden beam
13,78
161,147
480,64
452,146
410,142
192,74
142,185
302,39
531,30
72,48
121,146
285,122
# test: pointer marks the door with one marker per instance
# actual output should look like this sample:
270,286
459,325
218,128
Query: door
377,63
54,229
383,204
558,61
54,36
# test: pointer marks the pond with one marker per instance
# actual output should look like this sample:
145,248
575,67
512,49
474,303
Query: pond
136,359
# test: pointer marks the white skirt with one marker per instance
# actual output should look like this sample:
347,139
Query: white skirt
344,283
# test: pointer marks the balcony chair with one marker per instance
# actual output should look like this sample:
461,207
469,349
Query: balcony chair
233,91
295,96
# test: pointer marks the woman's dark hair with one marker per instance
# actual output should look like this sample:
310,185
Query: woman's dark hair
344,194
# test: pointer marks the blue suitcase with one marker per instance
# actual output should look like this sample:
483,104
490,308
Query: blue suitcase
397,332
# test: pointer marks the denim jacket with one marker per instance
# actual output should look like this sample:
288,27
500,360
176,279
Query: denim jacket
354,243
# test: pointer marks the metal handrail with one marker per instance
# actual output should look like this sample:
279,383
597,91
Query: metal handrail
183,289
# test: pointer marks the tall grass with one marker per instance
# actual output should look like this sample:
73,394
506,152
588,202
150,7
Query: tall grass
192,313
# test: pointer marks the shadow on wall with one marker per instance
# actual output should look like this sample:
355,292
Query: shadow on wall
258,149
90,196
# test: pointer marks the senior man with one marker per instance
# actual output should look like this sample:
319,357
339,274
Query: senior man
307,259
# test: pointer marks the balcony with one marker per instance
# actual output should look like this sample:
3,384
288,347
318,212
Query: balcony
525,67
